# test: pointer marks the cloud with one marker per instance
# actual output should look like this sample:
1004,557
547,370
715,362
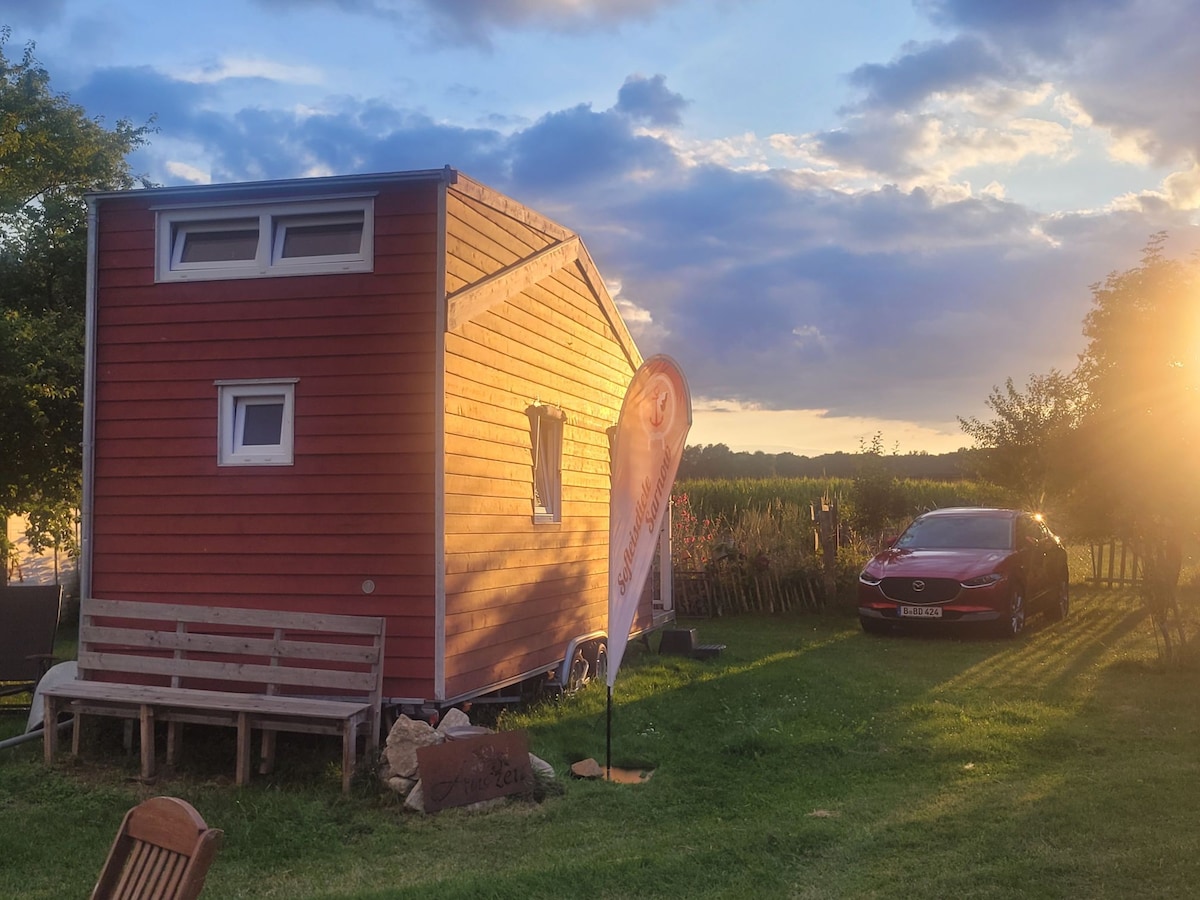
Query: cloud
188,173
1183,188
931,150
939,67
477,21
138,93
1127,64
1048,27
821,286
1137,86
648,100
578,147
336,134
943,108
233,68
871,303
553,15
32,13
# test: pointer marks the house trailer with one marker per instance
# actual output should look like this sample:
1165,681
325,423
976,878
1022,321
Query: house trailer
387,395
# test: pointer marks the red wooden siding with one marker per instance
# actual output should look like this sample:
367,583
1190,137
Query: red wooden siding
516,592
169,524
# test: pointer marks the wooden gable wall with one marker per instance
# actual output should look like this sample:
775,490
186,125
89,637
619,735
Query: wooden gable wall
358,504
516,592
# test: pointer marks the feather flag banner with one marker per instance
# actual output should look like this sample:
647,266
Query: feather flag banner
653,426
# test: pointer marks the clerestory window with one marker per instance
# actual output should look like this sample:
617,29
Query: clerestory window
257,241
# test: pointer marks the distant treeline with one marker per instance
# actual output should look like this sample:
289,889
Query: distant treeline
718,461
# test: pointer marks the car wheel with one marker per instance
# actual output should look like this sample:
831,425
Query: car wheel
1014,623
872,626
1062,604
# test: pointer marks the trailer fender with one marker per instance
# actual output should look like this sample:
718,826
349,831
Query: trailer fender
585,659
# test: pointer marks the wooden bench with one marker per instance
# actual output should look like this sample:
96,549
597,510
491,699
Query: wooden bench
240,668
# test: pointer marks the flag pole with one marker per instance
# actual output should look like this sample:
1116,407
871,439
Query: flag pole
608,740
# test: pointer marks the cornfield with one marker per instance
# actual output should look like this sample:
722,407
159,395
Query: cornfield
752,545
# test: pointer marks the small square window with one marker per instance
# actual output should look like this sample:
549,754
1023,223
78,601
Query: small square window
259,421
255,426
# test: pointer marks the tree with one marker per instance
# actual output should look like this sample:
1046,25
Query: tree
51,154
1138,438
875,498
1023,449
708,461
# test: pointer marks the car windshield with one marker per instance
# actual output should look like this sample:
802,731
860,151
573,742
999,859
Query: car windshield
946,532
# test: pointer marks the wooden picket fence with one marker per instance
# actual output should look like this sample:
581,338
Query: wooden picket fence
1115,565
730,591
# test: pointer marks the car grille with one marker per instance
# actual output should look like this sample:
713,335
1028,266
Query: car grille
934,590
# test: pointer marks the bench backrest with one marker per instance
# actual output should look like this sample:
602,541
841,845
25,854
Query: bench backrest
231,649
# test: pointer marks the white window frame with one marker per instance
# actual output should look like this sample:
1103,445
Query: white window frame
174,224
182,230
283,222
232,399
546,437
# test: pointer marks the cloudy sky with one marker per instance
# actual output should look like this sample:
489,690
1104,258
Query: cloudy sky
842,219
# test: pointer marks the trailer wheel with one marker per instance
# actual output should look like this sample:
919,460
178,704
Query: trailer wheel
599,661
578,676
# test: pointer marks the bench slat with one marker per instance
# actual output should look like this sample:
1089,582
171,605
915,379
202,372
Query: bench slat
249,673
243,645
228,701
266,618
275,721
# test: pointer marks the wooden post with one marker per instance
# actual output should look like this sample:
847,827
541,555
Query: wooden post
827,529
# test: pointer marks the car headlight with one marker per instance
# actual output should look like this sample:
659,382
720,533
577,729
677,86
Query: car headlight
869,580
983,580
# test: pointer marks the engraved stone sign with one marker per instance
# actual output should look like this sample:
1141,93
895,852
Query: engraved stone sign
459,772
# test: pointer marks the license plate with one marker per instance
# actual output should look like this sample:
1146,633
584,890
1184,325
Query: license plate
920,612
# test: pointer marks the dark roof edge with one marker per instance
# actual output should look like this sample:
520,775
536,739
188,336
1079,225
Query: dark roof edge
446,175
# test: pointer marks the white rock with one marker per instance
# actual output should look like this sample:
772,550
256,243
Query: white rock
541,767
416,798
400,752
454,718
402,786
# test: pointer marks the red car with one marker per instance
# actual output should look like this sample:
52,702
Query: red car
967,565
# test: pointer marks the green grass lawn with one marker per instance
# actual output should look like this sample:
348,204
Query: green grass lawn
809,760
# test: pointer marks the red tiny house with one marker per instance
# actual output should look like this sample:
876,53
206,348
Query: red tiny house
328,395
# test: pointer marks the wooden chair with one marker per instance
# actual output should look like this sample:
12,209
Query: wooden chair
162,852
28,622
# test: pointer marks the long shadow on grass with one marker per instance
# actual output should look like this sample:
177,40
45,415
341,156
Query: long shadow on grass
873,745
774,682
1063,768
1057,653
